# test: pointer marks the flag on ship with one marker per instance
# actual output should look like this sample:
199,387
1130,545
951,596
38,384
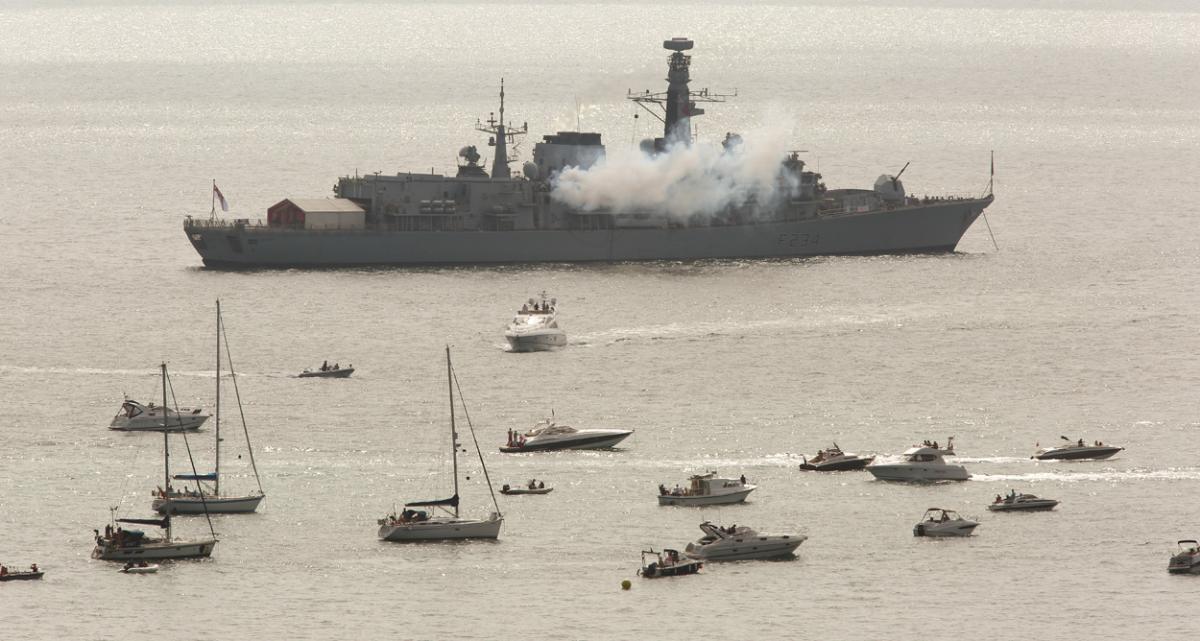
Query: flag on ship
221,197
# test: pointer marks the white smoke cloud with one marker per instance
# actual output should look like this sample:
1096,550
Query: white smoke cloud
684,182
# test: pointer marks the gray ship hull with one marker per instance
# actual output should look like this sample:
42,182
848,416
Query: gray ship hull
933,227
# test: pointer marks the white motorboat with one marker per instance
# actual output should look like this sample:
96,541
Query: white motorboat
1076,451
939,522
119,544
1013,502
413,524
835,460
535,327
923,464
548,435
1187,559
135,417
706,489
740,543
207,498
140,567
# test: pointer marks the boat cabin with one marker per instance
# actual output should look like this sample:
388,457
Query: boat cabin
923,455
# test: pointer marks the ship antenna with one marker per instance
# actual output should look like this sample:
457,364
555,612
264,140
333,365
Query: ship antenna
501,136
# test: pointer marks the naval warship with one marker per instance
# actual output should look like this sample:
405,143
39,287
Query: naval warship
477,217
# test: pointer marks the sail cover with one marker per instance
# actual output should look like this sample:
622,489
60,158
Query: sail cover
452,501
211,476
164,522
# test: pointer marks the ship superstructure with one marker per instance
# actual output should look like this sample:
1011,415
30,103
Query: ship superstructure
475,217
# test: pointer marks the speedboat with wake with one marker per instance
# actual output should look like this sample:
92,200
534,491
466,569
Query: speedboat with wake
940,522
535,327
548,435
835,460
740,543
706,489
1187,560
667,563
1076,451
135,417
1014,502
922,464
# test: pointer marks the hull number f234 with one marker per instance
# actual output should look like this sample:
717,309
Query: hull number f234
799,239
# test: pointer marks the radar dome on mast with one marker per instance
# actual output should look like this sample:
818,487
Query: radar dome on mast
678,44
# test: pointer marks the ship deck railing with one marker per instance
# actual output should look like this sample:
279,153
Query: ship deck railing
259,225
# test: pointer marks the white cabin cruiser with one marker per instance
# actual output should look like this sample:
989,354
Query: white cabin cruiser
1187,560
548,435
939,522
535,327
135,417
1013,502
1076,451
919,464
740,543
835,460
706,489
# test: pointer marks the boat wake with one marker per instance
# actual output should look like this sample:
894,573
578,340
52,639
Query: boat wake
1170,474
734,328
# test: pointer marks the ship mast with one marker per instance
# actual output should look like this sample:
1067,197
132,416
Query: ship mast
502,134
678,102
453,430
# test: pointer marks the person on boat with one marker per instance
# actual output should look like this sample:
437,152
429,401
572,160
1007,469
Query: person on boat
3,571
335,366
1080,442
541,485
743,479
997,499
325,366
33,567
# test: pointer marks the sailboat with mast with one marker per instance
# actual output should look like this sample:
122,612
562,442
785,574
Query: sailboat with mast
209,499
120,544
415,524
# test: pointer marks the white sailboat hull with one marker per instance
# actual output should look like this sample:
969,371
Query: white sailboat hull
175,423
213,504
441,529
157,550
